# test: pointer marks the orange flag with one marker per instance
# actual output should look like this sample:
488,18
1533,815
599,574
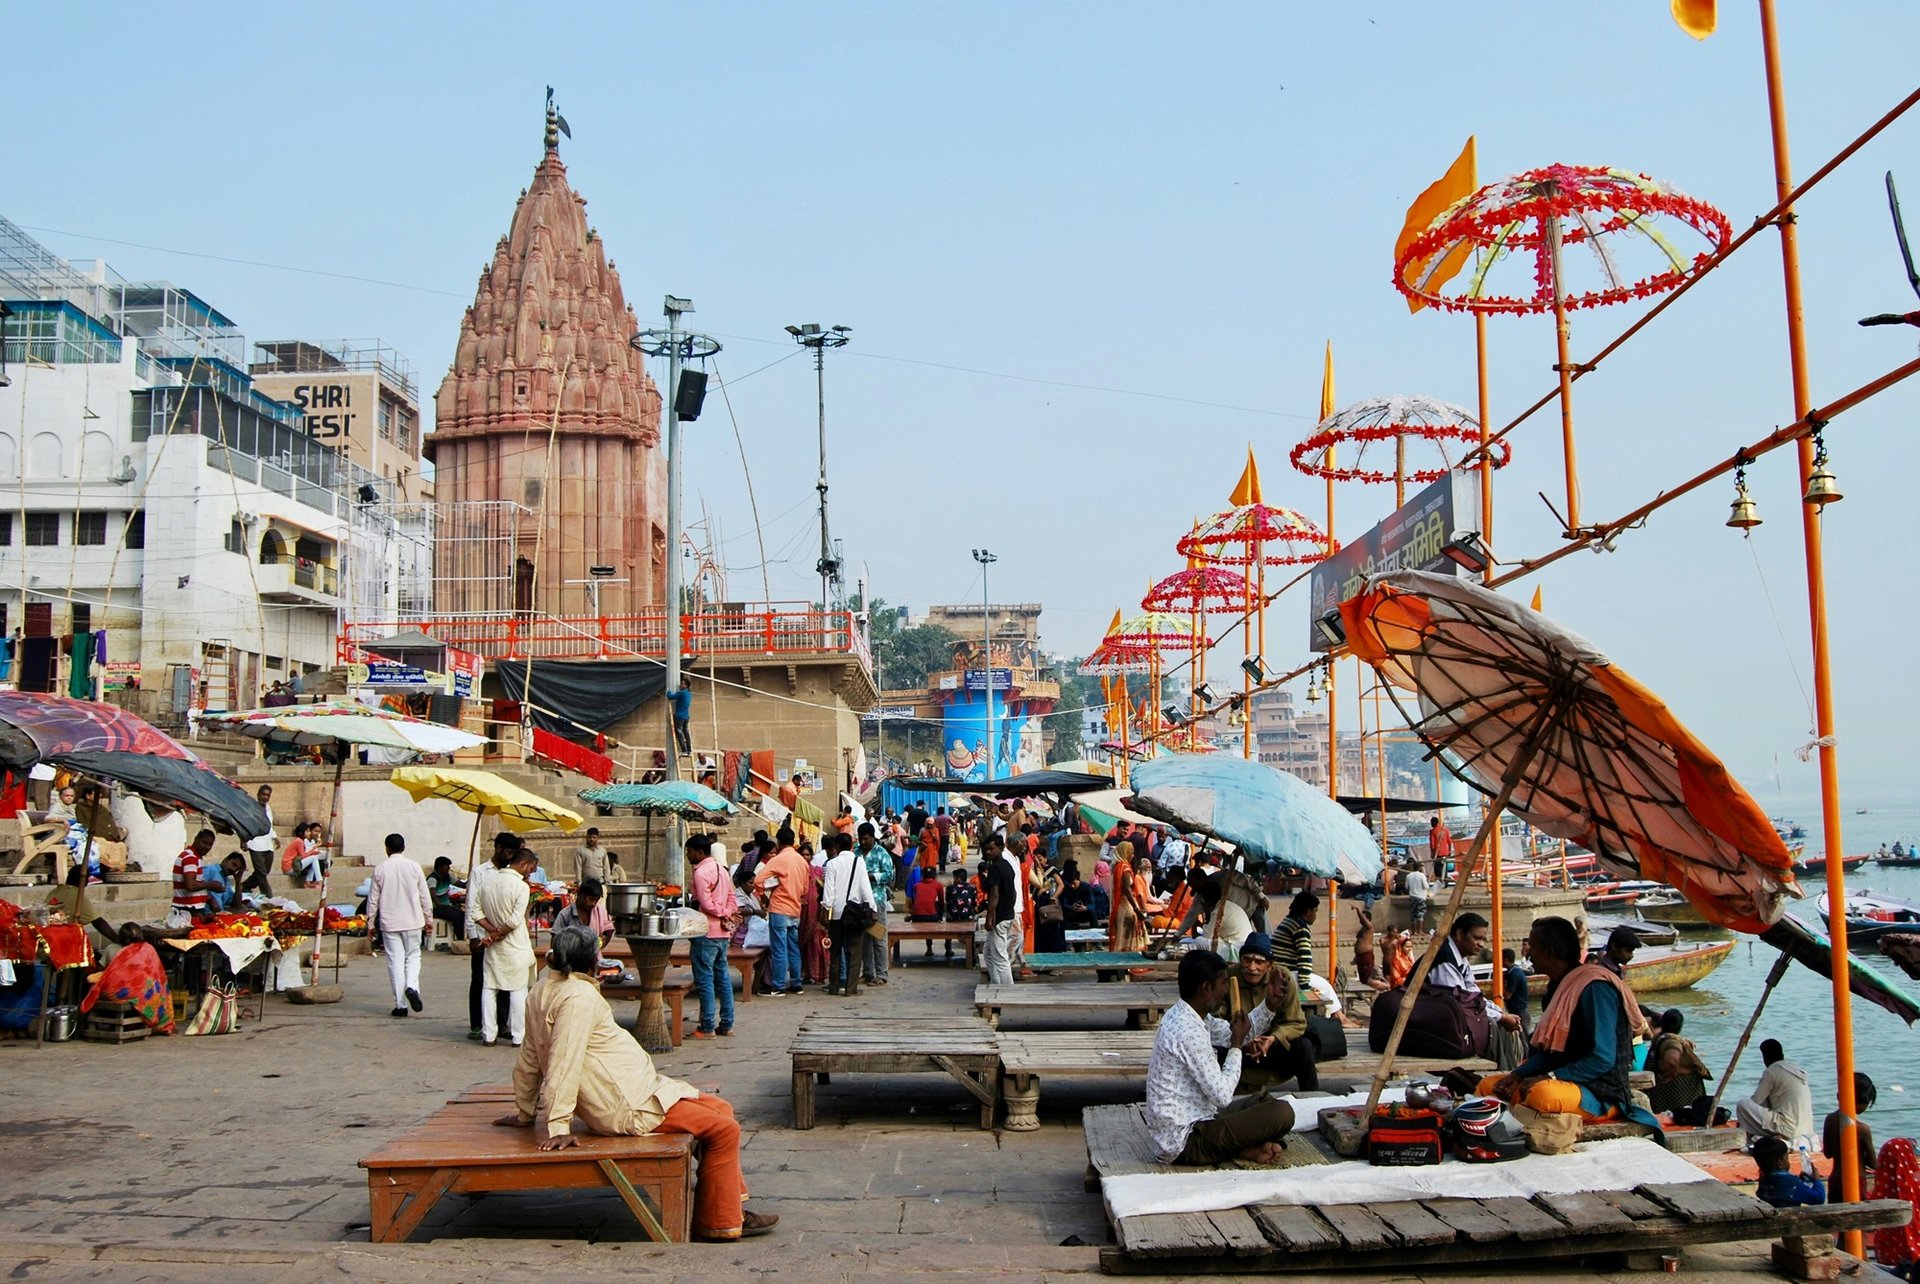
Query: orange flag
1248,489
1458,182
1696,17
1537,590
1326,386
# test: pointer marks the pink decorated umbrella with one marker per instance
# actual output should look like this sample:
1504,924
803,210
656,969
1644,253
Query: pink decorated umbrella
1614,213
1256,534
1197,591
1369,426
1158,632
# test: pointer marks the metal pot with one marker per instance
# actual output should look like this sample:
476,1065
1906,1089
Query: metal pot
630,898
61,1022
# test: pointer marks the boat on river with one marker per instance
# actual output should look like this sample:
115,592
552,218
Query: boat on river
1671,909
1870,917
1655,968
1601,926
1818,864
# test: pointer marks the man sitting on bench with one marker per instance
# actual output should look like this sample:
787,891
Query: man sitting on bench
1189,1087
593,1069
1255,984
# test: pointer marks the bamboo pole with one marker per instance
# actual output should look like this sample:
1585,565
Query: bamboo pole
326,865
1548,720
1495,890
1849,1157
1773,978
1564,365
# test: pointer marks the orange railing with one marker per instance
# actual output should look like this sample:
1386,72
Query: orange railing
751,629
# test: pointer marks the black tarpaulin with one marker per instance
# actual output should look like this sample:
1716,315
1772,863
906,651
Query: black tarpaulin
568,695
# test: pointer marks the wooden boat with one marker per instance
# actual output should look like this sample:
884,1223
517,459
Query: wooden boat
1654,968
1871,917
1600,926
1672,909
1818,864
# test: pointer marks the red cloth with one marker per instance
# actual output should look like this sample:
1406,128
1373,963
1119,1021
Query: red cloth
135,976
1897,1176
66,944
595,766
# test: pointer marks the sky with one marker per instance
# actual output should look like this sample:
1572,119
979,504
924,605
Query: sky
1090,253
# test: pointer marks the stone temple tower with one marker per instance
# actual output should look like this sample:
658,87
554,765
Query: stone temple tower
547,407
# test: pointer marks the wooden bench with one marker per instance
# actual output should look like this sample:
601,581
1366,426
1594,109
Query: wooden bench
961,933
1105,965
1111,1054
747,962
1415,1234
673,991
458,1149
962,1047
1141,1005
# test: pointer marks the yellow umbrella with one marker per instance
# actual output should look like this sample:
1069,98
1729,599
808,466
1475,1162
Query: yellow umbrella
484,794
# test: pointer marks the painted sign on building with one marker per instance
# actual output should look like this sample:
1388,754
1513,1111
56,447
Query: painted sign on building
341,408
1413,537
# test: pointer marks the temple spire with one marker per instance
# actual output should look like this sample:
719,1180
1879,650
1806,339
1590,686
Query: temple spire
556,124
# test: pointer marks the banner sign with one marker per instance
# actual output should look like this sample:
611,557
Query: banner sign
1002,679
464,667
382,675
885,712
1412,538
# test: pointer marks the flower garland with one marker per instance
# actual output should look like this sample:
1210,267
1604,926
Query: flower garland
1589,202
1316,445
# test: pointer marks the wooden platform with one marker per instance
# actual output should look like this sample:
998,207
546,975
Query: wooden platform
1118,1145
1141,1005
458,1149
1024,1057
1106,965
1415,1234
962,1047
949,933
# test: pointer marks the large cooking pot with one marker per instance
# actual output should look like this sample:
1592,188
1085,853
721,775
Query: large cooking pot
61,1022
630,898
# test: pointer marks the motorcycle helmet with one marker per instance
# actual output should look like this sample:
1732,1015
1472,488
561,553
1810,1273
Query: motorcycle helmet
1485,1131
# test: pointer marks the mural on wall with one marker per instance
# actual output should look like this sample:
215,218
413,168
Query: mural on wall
1015,746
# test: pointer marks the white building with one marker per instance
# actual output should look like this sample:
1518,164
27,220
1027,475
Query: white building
149,491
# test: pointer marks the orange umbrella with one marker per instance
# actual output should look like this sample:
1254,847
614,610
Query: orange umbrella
1590,754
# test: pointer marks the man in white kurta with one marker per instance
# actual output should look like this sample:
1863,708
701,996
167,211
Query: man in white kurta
508,968
400,904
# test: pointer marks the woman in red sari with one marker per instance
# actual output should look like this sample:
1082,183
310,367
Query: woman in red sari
1133,903
813,932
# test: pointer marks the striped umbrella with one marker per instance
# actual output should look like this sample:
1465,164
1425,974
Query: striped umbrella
344,722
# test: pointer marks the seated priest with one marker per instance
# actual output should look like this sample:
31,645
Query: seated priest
1255,983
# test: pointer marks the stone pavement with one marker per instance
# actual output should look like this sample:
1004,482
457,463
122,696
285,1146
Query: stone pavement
235,1158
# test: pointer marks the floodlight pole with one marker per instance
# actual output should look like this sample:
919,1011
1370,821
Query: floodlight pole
986,559
820,338
675,345
1847,1162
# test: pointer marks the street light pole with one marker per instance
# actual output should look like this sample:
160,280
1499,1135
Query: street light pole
820,339
987,559
676,345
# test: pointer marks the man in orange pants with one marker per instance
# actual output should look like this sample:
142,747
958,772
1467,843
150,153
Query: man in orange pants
595,1072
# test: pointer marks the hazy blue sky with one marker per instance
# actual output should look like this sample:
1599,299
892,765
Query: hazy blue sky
1178,200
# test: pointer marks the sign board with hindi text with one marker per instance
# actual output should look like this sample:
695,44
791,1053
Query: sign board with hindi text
1413,537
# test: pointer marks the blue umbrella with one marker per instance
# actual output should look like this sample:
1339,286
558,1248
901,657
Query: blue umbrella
1261,810
670,798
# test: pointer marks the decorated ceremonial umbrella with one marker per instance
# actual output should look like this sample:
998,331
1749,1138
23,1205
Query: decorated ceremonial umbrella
106,742
1157,632
1526,710
1376,421
1260,809
1199,590
1540,212
1256,535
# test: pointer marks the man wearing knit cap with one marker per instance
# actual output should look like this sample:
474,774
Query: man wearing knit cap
1253,982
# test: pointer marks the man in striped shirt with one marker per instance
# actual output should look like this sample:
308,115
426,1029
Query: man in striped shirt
190,884
1293,939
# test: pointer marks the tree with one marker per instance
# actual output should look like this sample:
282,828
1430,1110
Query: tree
903,657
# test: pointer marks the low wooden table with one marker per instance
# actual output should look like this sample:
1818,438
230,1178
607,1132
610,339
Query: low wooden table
1142,1005
746,961
962,933
1409,1235
1113,1054
963,1047
1106,965
458,1149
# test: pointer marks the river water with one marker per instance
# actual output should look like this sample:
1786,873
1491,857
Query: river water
1800,1013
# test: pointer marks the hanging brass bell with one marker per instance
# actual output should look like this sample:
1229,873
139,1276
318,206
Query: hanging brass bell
1313,690
1746,514
1822,488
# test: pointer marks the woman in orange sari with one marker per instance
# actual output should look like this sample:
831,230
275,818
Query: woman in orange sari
1133,903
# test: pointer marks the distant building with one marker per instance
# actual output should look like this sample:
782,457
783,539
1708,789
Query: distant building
163,505
991,709
358,396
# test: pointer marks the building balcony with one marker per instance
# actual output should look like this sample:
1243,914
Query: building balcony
299,582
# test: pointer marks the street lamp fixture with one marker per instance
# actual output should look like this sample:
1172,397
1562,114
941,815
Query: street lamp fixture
1331,628
1468,550
820,339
